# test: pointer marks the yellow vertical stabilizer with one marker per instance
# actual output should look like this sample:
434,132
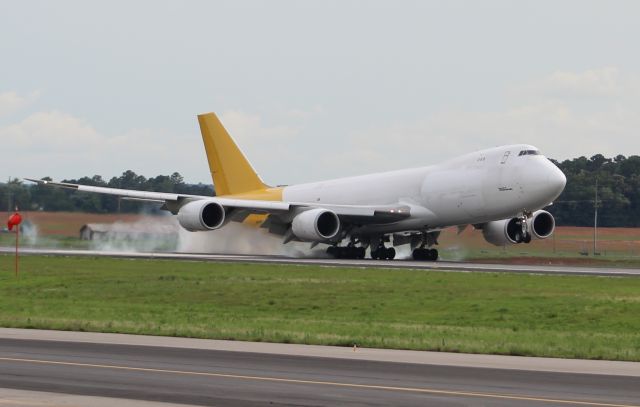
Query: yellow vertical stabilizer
231,172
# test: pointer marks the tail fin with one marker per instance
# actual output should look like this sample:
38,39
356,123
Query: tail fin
230,170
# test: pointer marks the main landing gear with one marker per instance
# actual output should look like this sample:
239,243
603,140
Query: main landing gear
425,254
422,242
383,253
354,252
346,252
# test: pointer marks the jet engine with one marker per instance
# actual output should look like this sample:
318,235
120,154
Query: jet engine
202,215
502,232
540,225
316,225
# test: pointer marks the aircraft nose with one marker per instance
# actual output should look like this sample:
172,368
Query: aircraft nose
556,181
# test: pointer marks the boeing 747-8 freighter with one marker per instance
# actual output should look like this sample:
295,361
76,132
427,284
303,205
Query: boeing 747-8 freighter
500,190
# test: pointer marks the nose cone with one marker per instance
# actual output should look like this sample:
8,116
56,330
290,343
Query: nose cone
556,181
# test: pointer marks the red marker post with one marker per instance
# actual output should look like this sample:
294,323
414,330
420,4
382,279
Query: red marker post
15,220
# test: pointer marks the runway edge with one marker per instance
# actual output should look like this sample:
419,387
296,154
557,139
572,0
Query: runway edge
581,366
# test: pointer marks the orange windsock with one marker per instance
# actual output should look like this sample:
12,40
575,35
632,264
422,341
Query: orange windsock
14,220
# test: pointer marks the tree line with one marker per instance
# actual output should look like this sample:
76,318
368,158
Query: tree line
29,196
618,181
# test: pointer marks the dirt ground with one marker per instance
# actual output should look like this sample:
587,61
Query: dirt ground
567,240
69,223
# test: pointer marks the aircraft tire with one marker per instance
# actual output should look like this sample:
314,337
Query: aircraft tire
419,254
340,252
518,237
390,253
425,254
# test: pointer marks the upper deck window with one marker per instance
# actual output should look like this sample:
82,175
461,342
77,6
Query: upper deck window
529,152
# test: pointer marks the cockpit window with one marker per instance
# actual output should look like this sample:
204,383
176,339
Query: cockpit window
529,152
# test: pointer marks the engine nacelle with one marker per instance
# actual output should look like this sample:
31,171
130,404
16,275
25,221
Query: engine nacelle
316,225
541,224
502,232
202,215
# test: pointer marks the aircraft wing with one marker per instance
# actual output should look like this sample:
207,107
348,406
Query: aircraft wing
361,214
123,193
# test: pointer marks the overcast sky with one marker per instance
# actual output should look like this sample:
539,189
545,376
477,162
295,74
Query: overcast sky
311,90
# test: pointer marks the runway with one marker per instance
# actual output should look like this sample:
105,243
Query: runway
201,372
366,263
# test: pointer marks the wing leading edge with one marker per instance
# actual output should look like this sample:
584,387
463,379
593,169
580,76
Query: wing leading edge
361,214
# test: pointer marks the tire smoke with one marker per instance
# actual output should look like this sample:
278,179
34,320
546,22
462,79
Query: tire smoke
238,238
149,234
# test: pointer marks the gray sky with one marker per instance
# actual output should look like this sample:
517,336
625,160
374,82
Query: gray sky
311,90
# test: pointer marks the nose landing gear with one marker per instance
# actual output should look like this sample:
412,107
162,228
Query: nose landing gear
523,235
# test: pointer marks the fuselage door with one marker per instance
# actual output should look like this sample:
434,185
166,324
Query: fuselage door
505,157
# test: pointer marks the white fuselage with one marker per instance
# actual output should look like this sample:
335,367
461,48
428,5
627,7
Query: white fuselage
487,185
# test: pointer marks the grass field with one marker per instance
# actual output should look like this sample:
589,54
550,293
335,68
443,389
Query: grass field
514,314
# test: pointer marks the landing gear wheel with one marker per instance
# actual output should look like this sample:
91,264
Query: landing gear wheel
390,253
425,254
383,253
518,237
527,238
346,252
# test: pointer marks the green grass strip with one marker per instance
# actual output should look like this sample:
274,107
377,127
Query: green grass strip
499,313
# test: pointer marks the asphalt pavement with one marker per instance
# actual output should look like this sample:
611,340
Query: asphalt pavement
206,376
